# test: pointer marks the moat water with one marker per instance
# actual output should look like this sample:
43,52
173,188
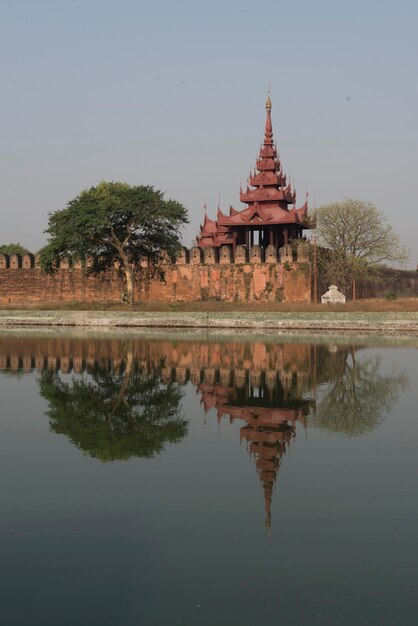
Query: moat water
201,481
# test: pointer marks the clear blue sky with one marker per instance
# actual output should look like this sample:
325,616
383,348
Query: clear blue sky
171,93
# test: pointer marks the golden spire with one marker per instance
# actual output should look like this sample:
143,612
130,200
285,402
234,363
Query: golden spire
268,101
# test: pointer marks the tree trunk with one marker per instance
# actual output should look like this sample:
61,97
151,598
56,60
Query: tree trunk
354,289
129,284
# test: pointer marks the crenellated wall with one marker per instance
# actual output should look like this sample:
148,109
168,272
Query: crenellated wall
198,274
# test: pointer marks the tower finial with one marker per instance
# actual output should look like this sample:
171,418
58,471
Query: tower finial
268,132
268,101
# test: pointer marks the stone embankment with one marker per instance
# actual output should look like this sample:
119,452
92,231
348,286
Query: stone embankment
385,323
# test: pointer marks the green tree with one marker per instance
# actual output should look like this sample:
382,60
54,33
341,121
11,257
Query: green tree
13,248
114,414
116,225
355,238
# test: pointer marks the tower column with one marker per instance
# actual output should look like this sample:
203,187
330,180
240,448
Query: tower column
286,236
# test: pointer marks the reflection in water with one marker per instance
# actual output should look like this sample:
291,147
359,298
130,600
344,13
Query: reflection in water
357,396
270,403
116,399
115,412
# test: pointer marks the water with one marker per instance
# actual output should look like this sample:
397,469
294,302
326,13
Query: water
196,482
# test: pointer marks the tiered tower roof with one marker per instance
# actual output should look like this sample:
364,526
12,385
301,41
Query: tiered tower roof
268,195
268,180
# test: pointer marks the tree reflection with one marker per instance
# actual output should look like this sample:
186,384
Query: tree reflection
357,395
115,413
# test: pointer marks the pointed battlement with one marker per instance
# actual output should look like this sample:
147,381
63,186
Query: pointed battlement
197,255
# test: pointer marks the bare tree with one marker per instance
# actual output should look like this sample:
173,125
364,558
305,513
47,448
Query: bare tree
355,238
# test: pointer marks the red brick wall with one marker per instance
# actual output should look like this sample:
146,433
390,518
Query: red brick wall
184,281
231,283
72,285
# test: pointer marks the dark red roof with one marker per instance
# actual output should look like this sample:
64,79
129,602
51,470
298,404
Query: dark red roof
268,195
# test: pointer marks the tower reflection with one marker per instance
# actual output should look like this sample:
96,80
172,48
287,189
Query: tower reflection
270,403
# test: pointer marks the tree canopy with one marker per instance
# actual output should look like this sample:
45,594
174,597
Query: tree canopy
13,248
356,238
115,225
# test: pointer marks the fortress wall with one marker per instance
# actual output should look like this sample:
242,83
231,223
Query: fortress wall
197,275
32,286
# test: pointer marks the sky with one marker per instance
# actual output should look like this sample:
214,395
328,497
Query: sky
172,94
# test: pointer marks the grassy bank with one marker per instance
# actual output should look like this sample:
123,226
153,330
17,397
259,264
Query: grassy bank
211,306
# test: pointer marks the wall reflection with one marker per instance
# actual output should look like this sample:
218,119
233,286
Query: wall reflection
116,399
